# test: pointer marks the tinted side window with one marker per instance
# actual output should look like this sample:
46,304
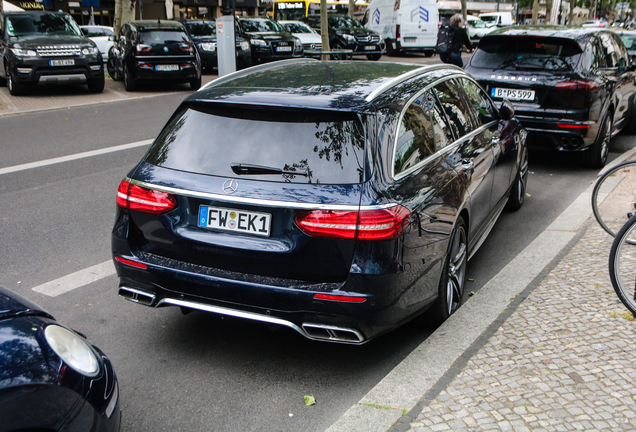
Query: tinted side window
415,140
483,110
609,50
456,111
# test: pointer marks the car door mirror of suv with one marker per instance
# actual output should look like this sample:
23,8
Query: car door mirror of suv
506,111
113,38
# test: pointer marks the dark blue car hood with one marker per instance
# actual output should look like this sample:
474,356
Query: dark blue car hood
12,304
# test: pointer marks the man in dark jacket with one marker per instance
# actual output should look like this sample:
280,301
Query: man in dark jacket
460,37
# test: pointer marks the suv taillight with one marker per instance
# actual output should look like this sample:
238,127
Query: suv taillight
378,224
143,48
397,31
133,197
577,86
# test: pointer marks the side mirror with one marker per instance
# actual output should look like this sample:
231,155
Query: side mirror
506,111
84,31
113,38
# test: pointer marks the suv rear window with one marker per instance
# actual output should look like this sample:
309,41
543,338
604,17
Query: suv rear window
327,146
526,53
163,37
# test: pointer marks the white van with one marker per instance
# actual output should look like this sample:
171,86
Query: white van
405,25
499,19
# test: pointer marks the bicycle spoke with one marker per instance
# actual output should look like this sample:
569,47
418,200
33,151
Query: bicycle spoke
614,197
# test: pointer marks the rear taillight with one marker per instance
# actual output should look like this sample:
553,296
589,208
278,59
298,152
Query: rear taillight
379,224
143,48
397,31
131,263
133,197
186,48
577,86
340,298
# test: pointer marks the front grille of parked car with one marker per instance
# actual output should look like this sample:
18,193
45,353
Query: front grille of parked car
59,50
368,38
313,46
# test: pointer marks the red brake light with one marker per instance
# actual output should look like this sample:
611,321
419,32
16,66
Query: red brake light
131,263
134,197
380,224
578,86
397,31
573,126
143,48
186,48
340,298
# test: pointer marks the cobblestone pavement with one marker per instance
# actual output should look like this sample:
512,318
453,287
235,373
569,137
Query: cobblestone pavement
563,361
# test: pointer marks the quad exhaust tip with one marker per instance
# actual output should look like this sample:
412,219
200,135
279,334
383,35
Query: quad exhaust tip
137,296
315,331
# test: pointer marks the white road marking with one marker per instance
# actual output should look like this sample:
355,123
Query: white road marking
76,280
82,155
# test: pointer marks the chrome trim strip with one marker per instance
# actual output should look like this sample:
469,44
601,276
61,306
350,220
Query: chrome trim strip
255,201
258,317
136,293
253,69
183,56
375,93
78,78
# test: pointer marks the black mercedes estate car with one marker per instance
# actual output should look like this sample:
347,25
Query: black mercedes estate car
51,377
339,199
572,87
268,39
152,50
47,48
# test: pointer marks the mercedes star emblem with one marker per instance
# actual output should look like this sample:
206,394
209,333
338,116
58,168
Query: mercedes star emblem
230,186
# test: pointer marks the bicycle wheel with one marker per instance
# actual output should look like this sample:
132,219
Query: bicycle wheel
622,264
614,197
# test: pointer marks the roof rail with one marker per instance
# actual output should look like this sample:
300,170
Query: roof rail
377,92
254,69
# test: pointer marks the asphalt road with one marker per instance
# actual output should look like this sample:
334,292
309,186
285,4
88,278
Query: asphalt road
200,371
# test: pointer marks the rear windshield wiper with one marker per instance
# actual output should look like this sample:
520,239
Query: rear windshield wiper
244,169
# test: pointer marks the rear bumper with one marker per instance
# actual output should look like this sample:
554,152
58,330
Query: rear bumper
571,136
38,72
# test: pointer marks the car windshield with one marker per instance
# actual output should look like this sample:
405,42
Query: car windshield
477,23
197,29
41,24
343,22
526,53
629,41
260,25
297,28
325,147
163,37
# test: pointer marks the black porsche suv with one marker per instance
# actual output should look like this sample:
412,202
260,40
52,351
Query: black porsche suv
347,33
572,88
47,48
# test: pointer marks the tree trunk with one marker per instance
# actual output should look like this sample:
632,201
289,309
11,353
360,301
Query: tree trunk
465,17
548,12
571,15
535,12
1,1
117,22
324,31
352,7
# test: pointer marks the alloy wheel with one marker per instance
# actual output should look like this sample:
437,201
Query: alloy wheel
456,271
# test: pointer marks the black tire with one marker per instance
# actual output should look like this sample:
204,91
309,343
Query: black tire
428,53
451,285
97,86
622,267
112,69
195,83
519,186
129,83
374,57
14,88
596,156
630,129
389,48
342,56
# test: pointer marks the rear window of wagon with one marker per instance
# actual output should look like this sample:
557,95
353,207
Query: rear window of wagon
527,53
327,146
